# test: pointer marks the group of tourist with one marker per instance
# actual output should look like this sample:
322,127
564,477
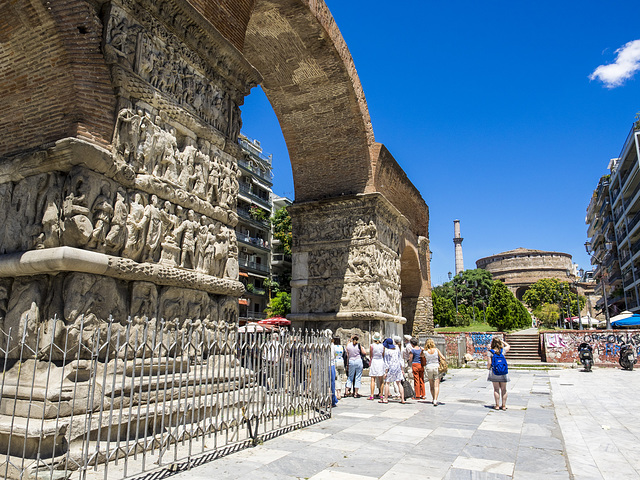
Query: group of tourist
391,365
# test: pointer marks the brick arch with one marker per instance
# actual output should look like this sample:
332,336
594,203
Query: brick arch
310,79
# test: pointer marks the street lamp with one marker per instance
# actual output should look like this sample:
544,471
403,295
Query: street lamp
473,292
587,247
575,284
455,288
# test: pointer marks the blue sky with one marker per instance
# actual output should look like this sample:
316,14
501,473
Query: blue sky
490,109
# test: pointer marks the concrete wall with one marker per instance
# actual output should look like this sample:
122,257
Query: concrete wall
477,343
562,347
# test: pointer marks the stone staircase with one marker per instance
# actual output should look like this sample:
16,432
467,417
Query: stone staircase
524,348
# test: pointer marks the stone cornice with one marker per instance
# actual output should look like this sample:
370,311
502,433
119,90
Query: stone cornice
52,261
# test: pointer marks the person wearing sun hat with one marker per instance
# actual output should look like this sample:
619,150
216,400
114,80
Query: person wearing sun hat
376,369
392,369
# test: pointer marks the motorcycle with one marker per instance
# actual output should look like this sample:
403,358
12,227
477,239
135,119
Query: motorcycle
627,357
586,356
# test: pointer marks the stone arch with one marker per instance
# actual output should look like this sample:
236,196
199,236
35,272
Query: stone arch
310,79
410,284
520,291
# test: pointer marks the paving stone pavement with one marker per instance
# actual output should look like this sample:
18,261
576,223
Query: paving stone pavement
592,433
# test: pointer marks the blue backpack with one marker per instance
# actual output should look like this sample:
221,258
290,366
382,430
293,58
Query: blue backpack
499,363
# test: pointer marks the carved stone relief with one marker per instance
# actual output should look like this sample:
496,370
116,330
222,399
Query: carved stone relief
156,56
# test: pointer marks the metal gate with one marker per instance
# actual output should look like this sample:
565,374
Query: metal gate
118,399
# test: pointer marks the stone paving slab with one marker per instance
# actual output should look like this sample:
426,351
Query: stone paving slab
560,425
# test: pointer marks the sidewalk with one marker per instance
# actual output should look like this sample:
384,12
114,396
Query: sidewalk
462,438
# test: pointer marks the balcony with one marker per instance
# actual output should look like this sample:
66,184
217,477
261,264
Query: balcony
265,175
280,258
251,290
259,267
633,222
246,189
244,213
253,147
256,242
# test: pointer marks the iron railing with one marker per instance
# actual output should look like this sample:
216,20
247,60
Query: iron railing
118,399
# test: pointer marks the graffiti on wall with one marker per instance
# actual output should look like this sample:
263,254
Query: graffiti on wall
480,342
563,347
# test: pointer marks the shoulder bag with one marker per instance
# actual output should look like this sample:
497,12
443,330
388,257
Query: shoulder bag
365,359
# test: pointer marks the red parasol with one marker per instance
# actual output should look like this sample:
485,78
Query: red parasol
279,321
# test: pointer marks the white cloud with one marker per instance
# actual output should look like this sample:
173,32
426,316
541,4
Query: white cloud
626,65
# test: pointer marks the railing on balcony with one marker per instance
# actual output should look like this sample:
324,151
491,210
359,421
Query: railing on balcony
256,291
615,277
280,257
250,144
614,195
258,172
245,263
635,248
244,213
258,242
633,222
246,189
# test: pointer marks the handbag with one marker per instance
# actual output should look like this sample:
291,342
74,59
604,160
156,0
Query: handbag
423,359
442,366
408,389
365,359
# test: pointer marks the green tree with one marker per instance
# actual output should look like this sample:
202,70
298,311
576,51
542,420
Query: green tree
471,287
505,312
281,222
553,291
548,314
280,305
444,311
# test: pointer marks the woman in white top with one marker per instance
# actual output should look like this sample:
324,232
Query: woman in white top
432,354
376,369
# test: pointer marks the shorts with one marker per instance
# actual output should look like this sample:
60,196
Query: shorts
433,371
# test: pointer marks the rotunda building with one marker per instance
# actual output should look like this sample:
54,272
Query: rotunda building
520,268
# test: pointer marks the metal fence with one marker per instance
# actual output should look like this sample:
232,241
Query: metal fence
119,399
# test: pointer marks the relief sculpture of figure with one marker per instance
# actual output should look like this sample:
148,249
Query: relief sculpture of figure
102,213
221,252
48,206
209,252
213,182
169,166
153,221
127,135
135,229
77,225
186,159
117,233
201,245
188,228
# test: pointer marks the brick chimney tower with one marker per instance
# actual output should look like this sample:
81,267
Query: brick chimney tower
457,242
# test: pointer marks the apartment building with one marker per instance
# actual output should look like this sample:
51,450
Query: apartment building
280,256
615,228
254,229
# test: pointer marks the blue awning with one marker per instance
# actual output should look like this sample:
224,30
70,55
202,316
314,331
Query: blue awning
632,321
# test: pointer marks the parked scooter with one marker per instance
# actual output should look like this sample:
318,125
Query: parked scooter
586,356
627,357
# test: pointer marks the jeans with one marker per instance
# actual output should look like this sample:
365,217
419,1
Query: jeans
334,399
355,372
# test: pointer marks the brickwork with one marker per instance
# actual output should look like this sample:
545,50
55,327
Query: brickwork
392,181
477,343
522,267
53,78
229,17
311,82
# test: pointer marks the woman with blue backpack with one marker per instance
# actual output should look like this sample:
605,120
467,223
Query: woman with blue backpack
498,371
